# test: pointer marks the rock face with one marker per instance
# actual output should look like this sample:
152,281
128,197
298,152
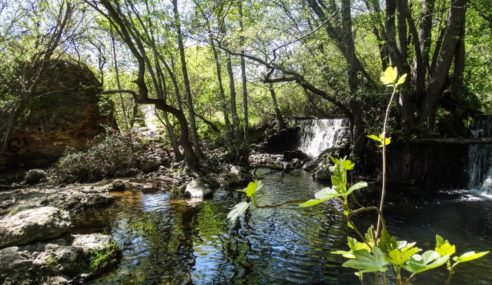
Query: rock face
33,225
70,114
283,140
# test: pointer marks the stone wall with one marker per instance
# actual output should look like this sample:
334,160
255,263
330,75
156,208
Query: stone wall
428,165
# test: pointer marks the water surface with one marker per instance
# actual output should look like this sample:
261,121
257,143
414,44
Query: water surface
165,241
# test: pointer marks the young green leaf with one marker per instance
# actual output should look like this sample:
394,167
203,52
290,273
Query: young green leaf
365,261
252,188
389,76
401,256
357,186
237,211
468,256
427,261
443,247
402,79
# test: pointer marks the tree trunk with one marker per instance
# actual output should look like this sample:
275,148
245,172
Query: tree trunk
243,77
118,82
222,96
172,137
232,87
186,81
456,20
357,123
278,114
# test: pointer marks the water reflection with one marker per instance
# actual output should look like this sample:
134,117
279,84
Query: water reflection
166,242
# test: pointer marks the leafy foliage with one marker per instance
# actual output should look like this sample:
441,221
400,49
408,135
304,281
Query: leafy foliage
111,155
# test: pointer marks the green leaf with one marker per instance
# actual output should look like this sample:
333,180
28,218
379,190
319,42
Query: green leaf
443,247
365,261
311,203
427,261
380,139
237,211
389,75
357,186
369,236
402,79
469,256
252,188
325,192
347,164
401,256
387,242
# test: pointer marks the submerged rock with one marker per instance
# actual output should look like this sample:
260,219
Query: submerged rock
197,190
35,176
33,225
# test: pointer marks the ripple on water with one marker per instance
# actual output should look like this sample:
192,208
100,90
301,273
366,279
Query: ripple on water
169,243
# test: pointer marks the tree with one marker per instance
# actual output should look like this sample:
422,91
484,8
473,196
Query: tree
142,46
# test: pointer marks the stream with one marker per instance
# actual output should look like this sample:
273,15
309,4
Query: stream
164,241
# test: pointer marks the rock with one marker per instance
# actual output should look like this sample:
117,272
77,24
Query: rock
92,242
58,261
197,189
273,161
290,155
70,117
35,176
33,225
73,198
235,170
117,186
284,140
322,174
310,165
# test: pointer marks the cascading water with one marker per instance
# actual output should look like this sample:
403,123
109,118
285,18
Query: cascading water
322,134
480,156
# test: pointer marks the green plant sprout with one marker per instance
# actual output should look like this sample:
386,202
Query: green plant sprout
376,251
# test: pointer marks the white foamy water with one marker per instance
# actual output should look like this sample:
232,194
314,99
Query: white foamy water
319,135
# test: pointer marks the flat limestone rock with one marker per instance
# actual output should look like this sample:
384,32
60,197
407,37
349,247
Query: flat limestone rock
32,225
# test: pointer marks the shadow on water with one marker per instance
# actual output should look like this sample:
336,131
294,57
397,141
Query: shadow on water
166,242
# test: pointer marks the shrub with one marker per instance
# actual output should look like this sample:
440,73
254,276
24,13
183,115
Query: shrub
112,155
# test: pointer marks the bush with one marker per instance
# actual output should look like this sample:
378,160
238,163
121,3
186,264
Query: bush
112,155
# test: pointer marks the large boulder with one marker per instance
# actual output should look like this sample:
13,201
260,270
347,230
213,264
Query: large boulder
69,114
33,225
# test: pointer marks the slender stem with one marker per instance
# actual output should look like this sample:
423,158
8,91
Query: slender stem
383,190
383,277
450,276
279,205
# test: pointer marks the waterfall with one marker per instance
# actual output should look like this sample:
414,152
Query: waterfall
322,134
480,156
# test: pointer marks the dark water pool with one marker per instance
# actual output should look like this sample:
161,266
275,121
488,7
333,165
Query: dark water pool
165,241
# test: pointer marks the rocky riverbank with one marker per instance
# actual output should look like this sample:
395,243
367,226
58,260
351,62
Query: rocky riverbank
36,247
